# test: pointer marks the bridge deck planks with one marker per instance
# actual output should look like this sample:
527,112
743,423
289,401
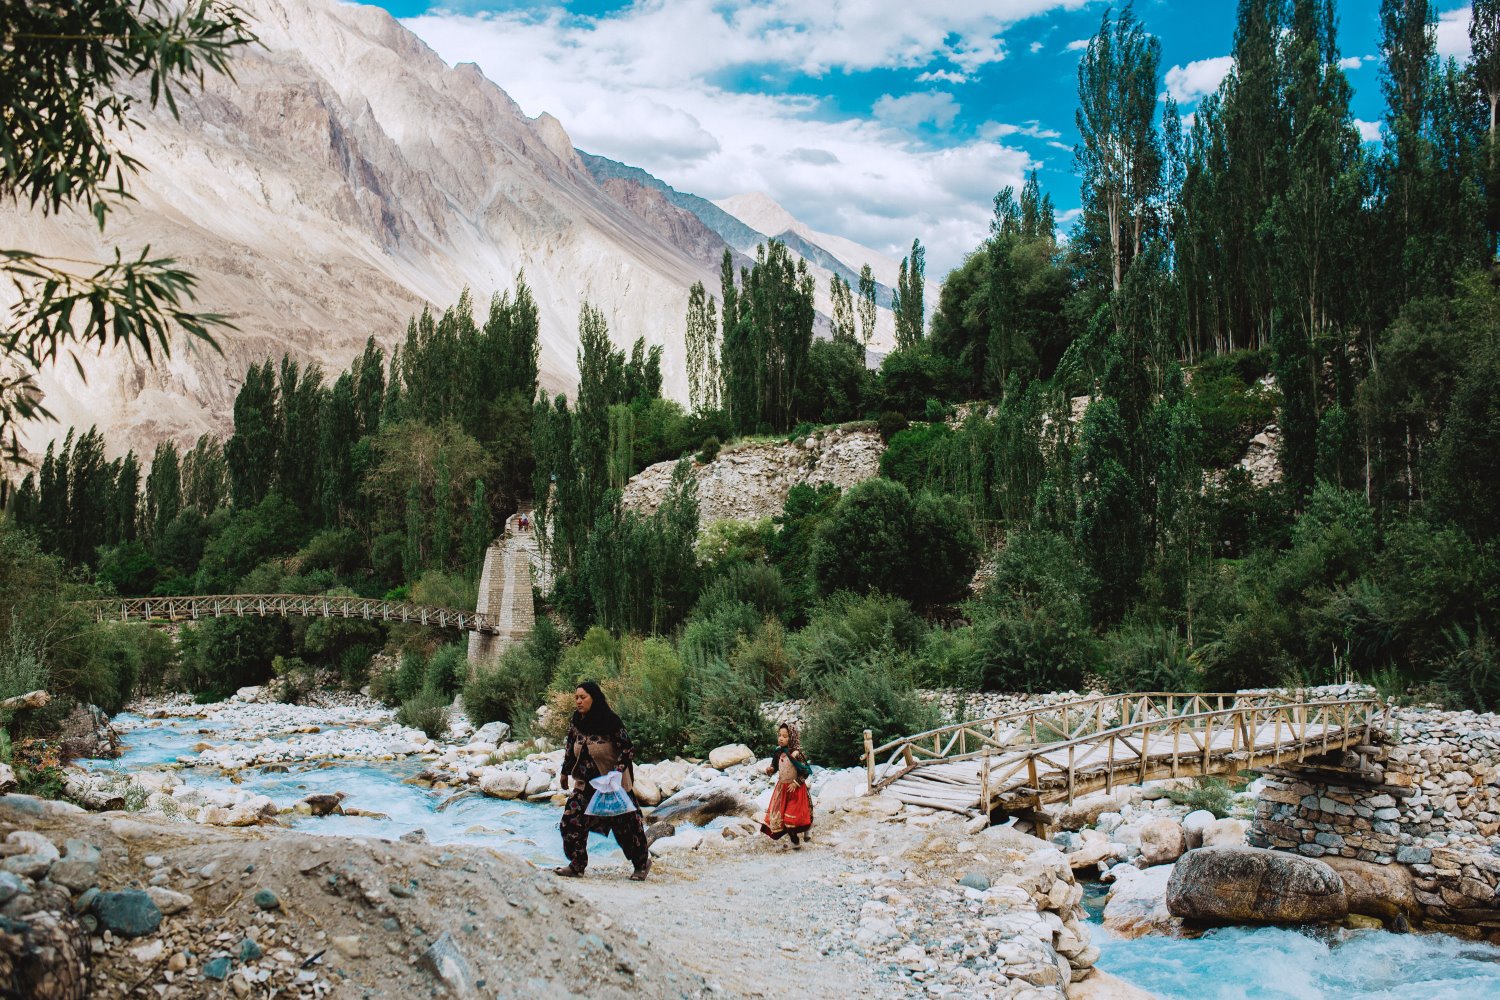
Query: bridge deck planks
956,785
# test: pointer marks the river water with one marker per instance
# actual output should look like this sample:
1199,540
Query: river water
527,830
1267,963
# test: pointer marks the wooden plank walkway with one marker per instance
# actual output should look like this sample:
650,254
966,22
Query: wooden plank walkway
1054,753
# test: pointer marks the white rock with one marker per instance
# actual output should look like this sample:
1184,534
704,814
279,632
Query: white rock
501,783
35,844
1225,833
680,842
730,755
168,900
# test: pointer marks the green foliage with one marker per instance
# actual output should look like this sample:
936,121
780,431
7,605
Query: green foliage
912,457
1031,624
1144,656
728,542
1230,408
1208,792
652,695
832,385
709,451
507,690
426,710
447,669
724,703
873,693
877,538
849,628
751,583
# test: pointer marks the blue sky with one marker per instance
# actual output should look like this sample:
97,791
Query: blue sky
877,120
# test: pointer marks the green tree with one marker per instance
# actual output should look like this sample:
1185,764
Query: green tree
911,316
251,451
842,298
163,490
1118,153
866,305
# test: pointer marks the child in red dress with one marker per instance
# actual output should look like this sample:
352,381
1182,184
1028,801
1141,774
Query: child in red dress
790,811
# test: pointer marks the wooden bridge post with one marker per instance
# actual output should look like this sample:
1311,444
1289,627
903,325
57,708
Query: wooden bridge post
869,763
984,784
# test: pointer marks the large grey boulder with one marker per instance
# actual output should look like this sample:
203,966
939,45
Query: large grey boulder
697,805
1253,885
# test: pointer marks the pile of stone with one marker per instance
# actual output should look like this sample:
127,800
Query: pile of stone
1008,923
128,907
952,705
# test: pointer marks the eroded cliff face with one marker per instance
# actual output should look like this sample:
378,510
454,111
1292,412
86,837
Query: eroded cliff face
750,481
342,180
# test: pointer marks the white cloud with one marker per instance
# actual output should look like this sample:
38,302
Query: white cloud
1198,78
1034,129
1368,131
913,110
620,92
1351,62
1036,47
1453,33
1077,45
943,76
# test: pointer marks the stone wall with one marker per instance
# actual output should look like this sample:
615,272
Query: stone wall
1432,806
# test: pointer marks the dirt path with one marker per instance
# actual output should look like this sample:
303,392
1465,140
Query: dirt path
763,921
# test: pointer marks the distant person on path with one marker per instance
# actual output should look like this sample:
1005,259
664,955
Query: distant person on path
790,811
596,745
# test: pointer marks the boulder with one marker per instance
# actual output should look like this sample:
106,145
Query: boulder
1253,885
670,776
698,805
1384,891
646,791
1093,848
1162,841
728,756
502,783
324,804
538,780
1101,985
1193,825
169,901
492,732
1009,838
128,913
1224,833
8,779
682,841
659,831
31,842
448,964
1086,809
1137,905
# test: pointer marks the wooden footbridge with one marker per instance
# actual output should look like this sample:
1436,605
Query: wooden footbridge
1053,753
196,608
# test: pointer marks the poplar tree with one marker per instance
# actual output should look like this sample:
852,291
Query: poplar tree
911,318
843,310
1484,65
251,450
1118,153
702,349
866,304
163,490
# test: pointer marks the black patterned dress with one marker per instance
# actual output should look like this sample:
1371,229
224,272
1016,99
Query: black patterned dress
629,830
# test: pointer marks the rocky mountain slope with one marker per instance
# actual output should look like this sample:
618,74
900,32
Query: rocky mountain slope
343,180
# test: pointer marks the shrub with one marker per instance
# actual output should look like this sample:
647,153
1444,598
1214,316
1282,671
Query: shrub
912,456
727,542
427,711
1143,656
890,423
873,694
445,590
725,708
507,690
944,550
713,636
1470,672
1032,624
709,450
651,696
395,687
757,584
596,656
447,670
846,628
1208,792
864,543
295,678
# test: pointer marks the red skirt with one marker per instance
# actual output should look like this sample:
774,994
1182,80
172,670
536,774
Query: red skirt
790,810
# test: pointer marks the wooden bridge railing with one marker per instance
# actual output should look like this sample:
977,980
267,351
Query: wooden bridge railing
1094,720
176,609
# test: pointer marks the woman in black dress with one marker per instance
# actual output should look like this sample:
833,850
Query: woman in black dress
597,744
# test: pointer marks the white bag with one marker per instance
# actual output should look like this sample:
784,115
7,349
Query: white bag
609,798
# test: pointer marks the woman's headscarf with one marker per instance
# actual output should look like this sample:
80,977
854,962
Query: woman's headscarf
793,738
600,720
